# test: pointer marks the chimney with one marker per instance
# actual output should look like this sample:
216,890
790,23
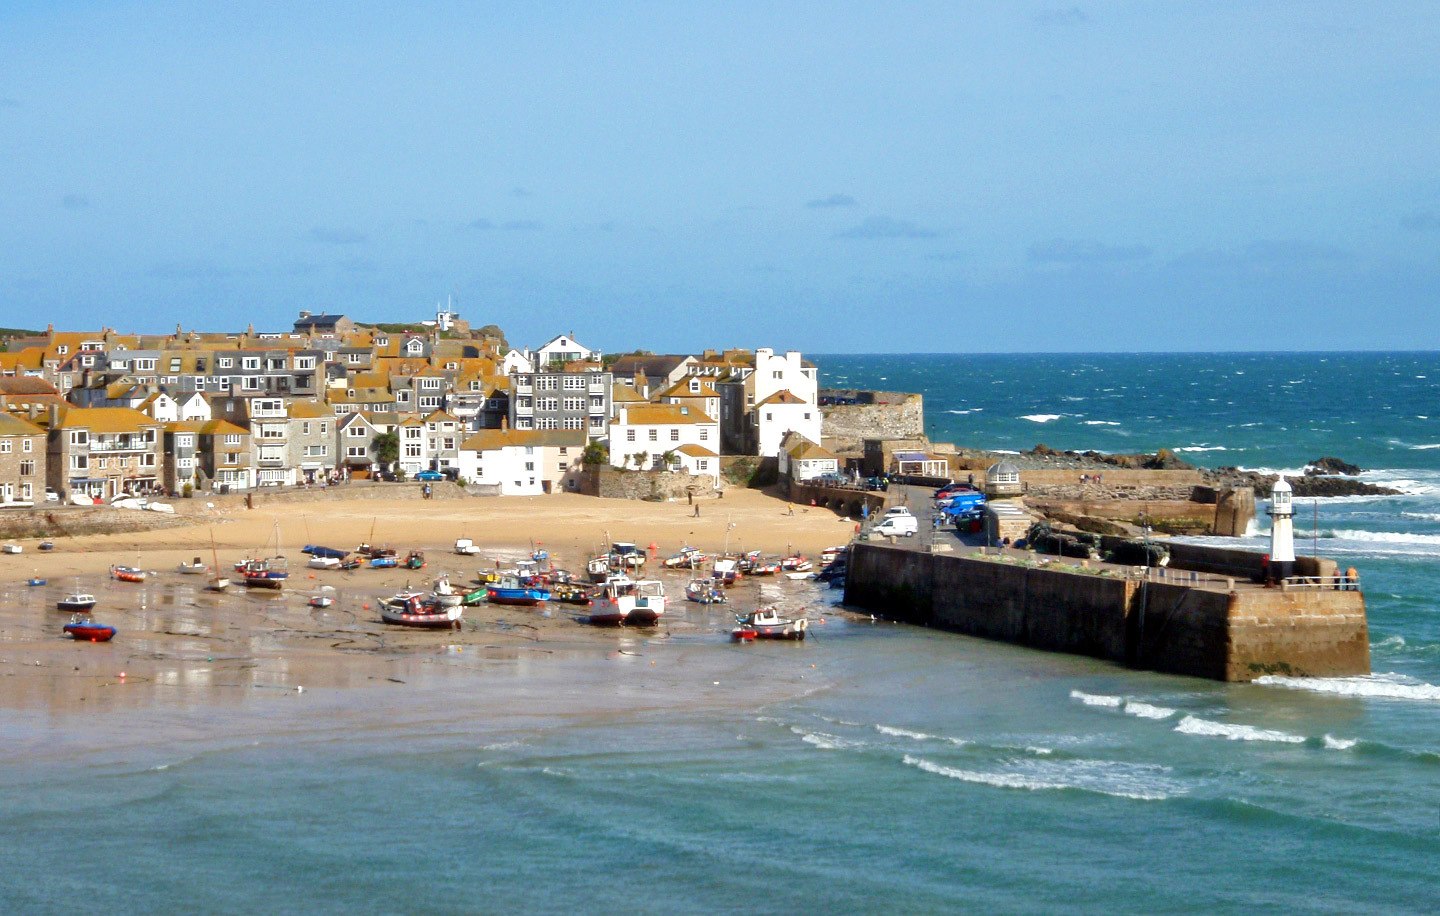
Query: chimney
504,424
54,415
33,410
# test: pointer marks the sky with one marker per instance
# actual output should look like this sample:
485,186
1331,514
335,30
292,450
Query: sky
832,177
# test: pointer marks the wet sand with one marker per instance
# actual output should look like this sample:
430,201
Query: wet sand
182,646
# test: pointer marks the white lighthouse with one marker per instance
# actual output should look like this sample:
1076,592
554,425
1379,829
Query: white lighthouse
1282,531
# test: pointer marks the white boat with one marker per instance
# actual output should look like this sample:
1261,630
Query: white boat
598,569
323,563
80,601
799,575
404,599
766,623
13,548
466,547
416,614
705,591
644,604
443,594
321,601
195,567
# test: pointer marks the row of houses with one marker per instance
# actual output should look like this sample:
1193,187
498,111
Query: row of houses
332,399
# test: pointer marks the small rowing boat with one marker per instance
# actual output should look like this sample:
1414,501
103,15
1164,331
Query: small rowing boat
194,568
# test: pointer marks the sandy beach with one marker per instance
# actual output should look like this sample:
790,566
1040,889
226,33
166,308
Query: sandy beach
180,645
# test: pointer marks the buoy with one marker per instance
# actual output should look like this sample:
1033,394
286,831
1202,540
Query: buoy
122,673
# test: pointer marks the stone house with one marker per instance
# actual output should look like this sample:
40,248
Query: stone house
225,455
22,460
311,440
103,452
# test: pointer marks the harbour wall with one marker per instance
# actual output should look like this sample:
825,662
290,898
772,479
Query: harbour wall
1231,635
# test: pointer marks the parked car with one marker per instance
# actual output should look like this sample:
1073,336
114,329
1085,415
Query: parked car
51,496
429,475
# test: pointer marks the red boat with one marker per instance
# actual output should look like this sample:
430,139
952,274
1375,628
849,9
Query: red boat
87,630
127,573
423,615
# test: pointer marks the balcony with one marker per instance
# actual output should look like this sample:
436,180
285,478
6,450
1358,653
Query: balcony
134,444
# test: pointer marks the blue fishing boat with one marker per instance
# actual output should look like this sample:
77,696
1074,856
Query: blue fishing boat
389,562
513,590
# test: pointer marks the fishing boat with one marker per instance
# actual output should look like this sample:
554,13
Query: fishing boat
766,623
417,613
512,590
415,560
324,562
79,601
474,597
321,601
572,593
726,571
127,574
404,599
705,591
686,558
598,568
466,547
82,629
831,554
34,581
645,604
796,563
270,573
625,555
761,567
351,563
195,567
443,593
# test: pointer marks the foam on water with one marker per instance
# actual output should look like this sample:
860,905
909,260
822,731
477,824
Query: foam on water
1100,422
1202,448
1147,711
1339,744
1190,725
1390,686
918,736
1041,417
1119,780
826,742
1093,699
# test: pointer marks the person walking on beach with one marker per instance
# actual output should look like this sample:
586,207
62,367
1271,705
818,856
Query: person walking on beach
697,512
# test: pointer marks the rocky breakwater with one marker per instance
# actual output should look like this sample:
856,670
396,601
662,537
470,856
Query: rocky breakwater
1323,477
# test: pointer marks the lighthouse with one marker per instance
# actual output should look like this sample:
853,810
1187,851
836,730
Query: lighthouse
1282,531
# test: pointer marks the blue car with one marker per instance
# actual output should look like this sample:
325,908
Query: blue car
429,475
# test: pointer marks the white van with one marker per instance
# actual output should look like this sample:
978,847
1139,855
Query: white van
897,526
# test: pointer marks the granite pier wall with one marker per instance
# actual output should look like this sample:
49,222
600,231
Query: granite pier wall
1234,635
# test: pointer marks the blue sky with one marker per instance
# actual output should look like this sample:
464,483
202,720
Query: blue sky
838,177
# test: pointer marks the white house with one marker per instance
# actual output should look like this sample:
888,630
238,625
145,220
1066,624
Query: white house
641,436
517,361
563,349
759,404
801,459
522,462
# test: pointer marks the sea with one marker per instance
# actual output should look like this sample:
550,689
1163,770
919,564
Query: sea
874,768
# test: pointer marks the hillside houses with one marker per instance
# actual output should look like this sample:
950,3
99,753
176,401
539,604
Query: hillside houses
330,399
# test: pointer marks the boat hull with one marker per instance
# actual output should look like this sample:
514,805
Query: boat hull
90,632
518,597
269,582
448,618
609,617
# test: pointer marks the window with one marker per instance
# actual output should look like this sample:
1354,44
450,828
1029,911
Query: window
27,468
597,401
225,362
144,365
545,423
251,362
629,435
779,374
324,429
355,451
79,462
250,383
305,428
103,463
574,403
654,435
573,423
574,383
316,451
564,466
232,457
5,446
675,434
704,434
304,362
547,404
27,491
80,437
547,383
807,414
529,465
356,432
769,416
174,364
597,422
147,460
412,450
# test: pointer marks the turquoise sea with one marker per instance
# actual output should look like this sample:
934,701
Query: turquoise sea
877,767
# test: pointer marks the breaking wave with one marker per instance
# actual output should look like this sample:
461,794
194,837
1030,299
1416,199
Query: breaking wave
1100,422
1190,725
1389,686
1202,448
1041,417
1093,699
1340,744
1106,778
1147,711
918,736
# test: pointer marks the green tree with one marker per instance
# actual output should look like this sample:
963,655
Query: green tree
596,453
669,459
386,447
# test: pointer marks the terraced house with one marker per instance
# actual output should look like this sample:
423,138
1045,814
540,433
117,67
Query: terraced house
22,460
103,452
